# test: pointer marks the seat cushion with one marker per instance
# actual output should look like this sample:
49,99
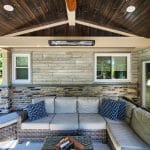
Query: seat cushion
64,122
65,105
88,104
124,138
8,119
36,111
91,122
43,123
140,123
49,103
109,121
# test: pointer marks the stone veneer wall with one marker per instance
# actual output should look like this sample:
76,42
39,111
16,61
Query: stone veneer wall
5,100
22,96
69,72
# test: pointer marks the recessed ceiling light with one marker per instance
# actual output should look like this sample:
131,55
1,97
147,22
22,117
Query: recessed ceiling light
8,7
130,8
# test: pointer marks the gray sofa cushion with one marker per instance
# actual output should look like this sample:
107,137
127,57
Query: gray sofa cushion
49,103
124,138
64,122
141,124
91,122
65,105
129,110
43,123
109,121
88,104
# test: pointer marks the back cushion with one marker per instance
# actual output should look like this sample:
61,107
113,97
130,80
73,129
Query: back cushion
129,110
88,104
49,103
140,123
65,105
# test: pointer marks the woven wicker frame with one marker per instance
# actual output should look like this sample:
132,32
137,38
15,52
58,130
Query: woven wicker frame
41,134
8,132
99,135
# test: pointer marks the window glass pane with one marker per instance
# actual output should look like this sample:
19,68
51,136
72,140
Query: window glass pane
103,67
21,61
147,88
21,73
119,67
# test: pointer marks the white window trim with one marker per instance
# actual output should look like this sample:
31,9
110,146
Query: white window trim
14,80
128,55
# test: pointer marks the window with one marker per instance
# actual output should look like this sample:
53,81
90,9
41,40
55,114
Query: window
21,70
112,67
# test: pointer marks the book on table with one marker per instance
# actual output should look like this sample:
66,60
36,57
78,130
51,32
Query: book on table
68,143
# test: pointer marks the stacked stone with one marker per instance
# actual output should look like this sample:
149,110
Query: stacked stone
5,101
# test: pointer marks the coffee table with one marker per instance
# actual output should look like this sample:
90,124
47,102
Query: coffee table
51,141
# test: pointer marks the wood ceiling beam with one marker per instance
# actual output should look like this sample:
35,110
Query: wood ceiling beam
71,11
84,23
100,42
38,28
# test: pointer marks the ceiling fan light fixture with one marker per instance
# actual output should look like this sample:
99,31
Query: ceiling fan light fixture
130,8
8,7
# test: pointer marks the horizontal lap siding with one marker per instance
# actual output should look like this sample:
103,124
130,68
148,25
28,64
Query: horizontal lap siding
63,68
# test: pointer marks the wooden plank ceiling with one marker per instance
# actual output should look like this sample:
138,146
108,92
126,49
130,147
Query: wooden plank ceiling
108,13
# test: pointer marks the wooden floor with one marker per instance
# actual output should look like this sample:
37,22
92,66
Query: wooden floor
13,145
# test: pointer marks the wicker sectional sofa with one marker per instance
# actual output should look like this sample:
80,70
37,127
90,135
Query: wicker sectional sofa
67,115
80,116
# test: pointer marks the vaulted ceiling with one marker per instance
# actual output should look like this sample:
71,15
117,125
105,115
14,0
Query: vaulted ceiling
108,13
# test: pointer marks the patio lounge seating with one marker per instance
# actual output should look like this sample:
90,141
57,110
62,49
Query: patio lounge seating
67,115
8,126
71,115
133,133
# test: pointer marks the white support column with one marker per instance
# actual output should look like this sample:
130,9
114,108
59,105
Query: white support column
71,14
71,17
6,67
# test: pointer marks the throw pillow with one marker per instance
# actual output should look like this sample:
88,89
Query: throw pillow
109,109
122,110
36,111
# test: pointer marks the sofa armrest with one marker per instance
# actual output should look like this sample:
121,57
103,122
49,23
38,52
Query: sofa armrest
23,115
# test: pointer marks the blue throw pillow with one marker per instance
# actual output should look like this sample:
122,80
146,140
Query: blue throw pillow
36,111
122,110
109,109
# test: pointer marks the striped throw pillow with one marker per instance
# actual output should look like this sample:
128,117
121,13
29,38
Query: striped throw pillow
122,110
110,109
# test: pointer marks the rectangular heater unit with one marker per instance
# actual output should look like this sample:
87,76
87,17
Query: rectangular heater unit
71,42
